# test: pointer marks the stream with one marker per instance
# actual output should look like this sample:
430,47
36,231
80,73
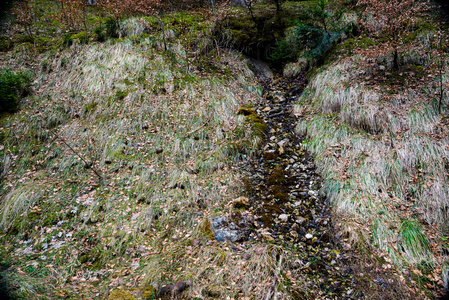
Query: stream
283,187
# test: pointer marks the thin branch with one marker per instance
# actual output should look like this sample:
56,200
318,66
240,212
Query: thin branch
79,155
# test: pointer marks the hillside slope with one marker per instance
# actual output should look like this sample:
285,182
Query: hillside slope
379,134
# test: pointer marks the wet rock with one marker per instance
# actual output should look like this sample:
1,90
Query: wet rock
234,228
265,235
282,188
300,220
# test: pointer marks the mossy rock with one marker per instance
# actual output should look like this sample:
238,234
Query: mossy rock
120,295
206,228
255,120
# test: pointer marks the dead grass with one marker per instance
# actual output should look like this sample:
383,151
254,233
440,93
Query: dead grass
383,160
159,133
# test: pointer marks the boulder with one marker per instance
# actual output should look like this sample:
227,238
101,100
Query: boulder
292,70
260,69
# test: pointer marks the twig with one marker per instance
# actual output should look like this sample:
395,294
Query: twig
195,130
79,155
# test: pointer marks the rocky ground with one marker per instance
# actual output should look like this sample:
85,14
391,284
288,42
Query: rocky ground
282,195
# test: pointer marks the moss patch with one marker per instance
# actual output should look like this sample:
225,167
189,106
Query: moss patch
120,295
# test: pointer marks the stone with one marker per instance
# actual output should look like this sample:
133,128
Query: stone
284,217
259,250
265,235
281,150
164,290
234,228
260,69
241,202
300,220
180,286
247,256
292,70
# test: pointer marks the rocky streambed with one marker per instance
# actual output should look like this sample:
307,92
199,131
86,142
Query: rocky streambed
282,195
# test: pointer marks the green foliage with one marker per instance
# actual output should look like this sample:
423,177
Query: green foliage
413,239
321,45
67,39
99,34
306,40
82,36
319,12
282,52
13,86
112,27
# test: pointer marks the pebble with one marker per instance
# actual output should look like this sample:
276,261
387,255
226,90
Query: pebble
289,211
284,217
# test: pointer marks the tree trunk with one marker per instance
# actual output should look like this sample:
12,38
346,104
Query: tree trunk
395,59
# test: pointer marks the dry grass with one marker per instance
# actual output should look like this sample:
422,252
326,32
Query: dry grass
383,158
163,137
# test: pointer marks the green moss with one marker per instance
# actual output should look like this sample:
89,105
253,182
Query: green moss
255,120
82,37
120,95
149,293
91,106
206,228
220,258
120,295
419,28
6,44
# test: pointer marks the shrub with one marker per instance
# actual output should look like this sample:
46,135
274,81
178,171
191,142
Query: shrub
67,39
13,86
82,37
112,28
99,34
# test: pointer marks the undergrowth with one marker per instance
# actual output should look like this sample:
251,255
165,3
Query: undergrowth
380,143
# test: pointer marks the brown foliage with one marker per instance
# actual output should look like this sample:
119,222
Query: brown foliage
24,15
390,18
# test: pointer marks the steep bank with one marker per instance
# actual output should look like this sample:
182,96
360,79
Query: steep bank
379,135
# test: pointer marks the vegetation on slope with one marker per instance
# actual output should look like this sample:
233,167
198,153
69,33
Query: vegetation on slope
376,119
160,131
127,145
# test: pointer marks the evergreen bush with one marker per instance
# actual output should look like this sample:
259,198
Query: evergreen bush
13,86
112,28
